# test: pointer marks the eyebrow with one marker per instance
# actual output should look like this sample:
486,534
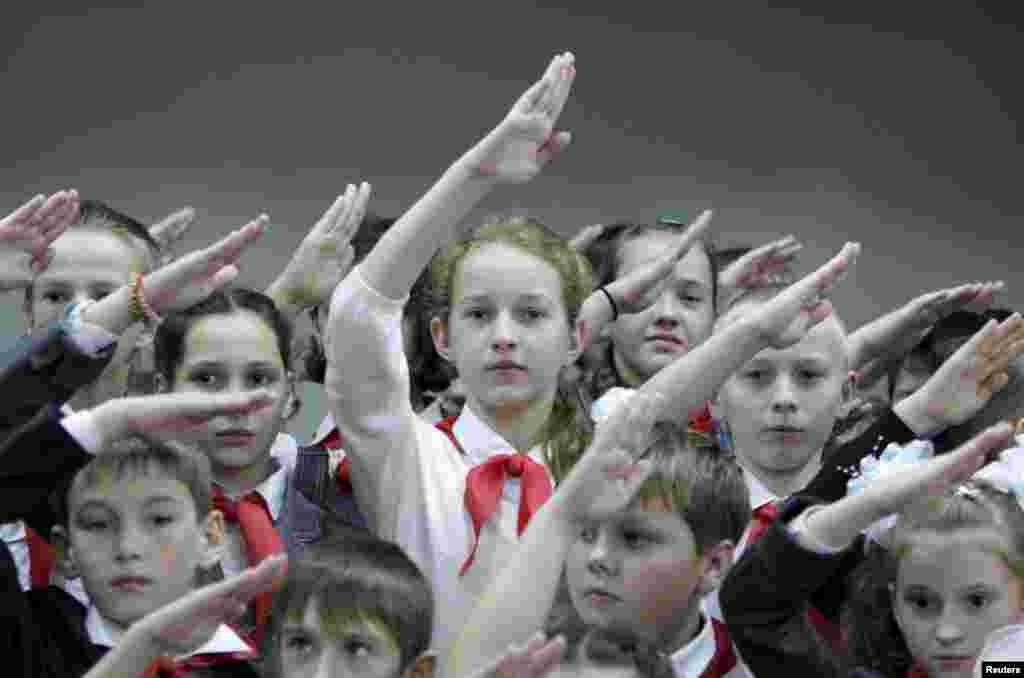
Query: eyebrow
215,363
528,297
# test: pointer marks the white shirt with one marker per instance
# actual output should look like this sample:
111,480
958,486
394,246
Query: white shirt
409,479
16,539
694,658
106,634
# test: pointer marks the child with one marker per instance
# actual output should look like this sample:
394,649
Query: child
951,569
508,298
135,523
234,341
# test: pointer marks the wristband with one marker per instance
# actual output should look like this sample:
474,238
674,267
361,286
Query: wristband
141,311
611,300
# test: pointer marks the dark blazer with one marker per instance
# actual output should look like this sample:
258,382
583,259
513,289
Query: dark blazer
764,604
42,368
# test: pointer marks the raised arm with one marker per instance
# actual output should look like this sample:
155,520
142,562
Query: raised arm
27,233
367,380
694,378
517,602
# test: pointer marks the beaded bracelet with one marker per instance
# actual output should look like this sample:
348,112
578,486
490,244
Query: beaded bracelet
141,311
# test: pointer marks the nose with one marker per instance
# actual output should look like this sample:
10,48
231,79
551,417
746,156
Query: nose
130,542
668,310
505,332
950,628
784,395
600,560
328,665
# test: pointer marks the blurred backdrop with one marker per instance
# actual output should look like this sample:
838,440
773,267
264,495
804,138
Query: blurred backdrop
891,123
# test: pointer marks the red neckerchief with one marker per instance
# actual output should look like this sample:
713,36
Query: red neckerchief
261,539
484,485
41,558
916,671
724,659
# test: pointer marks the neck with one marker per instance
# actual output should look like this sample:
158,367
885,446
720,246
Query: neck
237,481
520,423
783,483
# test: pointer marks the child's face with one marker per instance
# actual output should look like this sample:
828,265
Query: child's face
508,333
232,353
781,406
87,264
678,320
952,591
360,650
136,542
638,570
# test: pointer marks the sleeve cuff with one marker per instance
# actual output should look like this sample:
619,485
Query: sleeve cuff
798,530
92,340
82,427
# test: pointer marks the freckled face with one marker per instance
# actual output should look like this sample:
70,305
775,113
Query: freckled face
136,542
638,570
953,591
508,330
679,319
359,650
233,353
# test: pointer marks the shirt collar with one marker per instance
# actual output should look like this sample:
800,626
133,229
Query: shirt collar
480,442
324,430
66,410
759,494
692,659
13,532
104,633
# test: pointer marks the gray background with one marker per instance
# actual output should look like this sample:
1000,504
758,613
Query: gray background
890,123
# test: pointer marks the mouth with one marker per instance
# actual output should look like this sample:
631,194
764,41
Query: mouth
506,366
130,584
235,437
784,429
669,342
600,597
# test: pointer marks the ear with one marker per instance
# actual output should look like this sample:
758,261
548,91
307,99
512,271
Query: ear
439,333
64,556
214,539
160,384
422,667
716,563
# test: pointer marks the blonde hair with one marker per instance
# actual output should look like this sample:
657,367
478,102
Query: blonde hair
567,431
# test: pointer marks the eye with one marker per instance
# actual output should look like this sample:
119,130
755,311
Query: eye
635,540
262,379
921,603
757,376
978,600
533,314
55,297
588,534
475,314
810,375
100,294
298,643
204,379
94,523
162,519
357,648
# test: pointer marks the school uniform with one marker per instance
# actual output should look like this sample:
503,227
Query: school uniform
710,654
763,602
325,476
410,479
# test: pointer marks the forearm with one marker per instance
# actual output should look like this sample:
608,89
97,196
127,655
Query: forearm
284,299
595,314
131,657
113,313
838,524
517,602
690,381
406,248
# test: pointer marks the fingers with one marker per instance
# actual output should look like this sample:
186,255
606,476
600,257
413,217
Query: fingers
559,94
172,228
57,213
586,237
556,143
966,459
692,234
26,211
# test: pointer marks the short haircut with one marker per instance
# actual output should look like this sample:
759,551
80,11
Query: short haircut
356,578
607,647
920,360
136,457
699,482
96,214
